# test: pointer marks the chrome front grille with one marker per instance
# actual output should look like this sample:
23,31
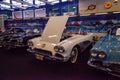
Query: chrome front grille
59,55
43,52
115,67
97,63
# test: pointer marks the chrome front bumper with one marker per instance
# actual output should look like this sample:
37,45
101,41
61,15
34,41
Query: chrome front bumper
41,55
110,67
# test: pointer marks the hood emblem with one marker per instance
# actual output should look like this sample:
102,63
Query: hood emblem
43,45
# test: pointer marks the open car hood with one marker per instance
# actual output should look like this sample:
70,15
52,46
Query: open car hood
54,29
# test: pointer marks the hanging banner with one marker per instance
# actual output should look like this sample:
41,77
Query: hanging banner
98,6
28,14
40,13
17,15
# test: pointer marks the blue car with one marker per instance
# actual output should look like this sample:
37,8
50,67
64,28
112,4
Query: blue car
105,54
18,38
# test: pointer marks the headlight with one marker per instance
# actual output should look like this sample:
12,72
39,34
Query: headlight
56,48
30,43
102,55
98,54
59,49
93,54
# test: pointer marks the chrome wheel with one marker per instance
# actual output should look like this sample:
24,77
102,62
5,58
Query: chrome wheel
74,55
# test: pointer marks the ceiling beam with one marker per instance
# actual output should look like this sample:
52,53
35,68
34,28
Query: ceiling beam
47,2
24,2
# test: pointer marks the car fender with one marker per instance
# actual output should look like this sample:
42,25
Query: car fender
68,44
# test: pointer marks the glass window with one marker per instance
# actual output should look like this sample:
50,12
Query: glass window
7,1
16,3
29,1
5,6
39,3
53,1
68,8
24,5
64,0
112,30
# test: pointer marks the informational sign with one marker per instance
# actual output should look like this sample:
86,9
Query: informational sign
98,6
28,14
17,15
40,13
108,5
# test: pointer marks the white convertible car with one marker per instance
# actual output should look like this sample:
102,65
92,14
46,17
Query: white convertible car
55,45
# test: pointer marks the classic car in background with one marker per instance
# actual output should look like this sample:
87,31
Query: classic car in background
18,38
56,45
105,54
98,28
11,31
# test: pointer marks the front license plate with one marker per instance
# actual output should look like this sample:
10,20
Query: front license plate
40,57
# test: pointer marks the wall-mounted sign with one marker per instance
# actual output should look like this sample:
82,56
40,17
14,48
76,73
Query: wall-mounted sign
108,5
40,13
91,7
98,6
17,15
28,14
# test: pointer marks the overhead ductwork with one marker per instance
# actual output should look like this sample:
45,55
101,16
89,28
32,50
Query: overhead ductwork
6,3
46,1
24,2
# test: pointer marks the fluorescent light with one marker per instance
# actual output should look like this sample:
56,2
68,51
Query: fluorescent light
116,12
100,13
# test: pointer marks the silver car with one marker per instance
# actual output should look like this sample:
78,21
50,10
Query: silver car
55,45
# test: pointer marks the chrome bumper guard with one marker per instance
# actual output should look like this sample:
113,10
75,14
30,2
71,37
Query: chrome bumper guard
110,67
42,55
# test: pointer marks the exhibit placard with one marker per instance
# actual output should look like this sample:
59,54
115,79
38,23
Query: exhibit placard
40,13
17,15
28,14
98,6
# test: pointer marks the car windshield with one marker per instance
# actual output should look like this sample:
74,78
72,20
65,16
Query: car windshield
112,31
72,29
115,31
